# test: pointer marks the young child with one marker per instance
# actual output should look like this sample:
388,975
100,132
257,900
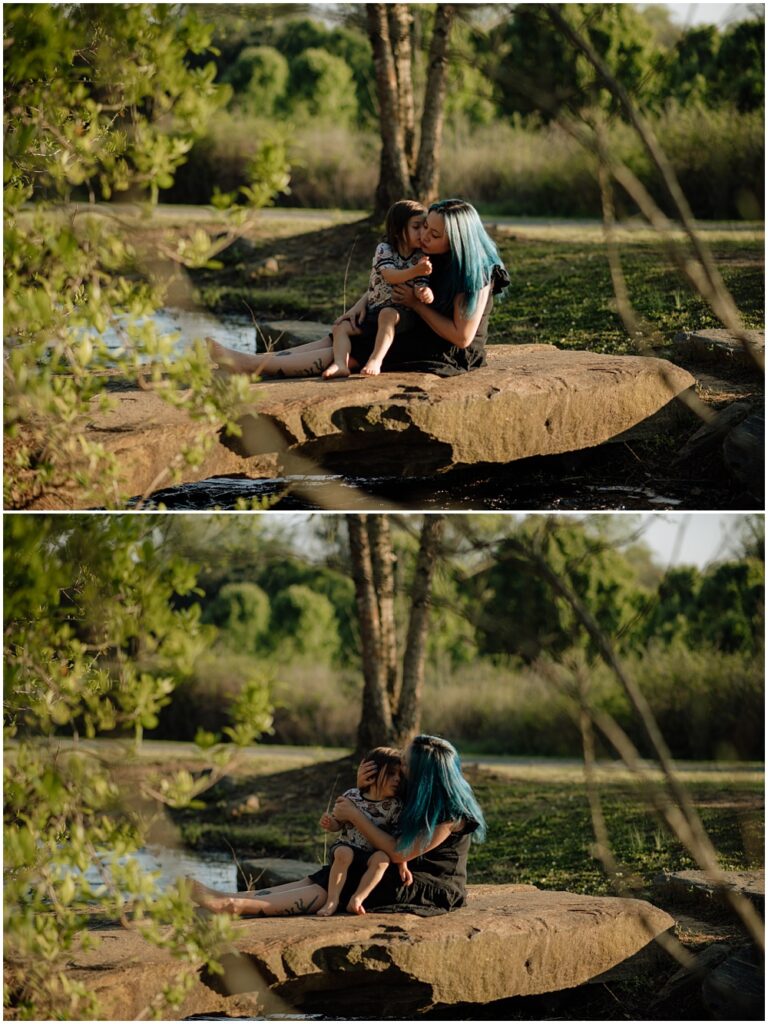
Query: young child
397,260
379,802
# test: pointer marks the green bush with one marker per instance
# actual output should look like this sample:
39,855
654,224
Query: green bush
304,625
241,611
321,85
259,78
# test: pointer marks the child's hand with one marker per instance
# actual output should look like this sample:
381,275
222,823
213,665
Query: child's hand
424,294
424,266
329,824
406,876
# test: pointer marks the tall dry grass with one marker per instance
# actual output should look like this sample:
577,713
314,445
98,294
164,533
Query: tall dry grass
709,704
519,168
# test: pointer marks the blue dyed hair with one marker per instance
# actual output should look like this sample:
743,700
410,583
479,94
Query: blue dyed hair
437,792
473,252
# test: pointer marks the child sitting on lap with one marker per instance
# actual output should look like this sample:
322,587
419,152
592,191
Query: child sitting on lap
378,801
397,260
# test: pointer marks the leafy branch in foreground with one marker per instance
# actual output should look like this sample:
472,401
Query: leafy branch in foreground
95,641
102,100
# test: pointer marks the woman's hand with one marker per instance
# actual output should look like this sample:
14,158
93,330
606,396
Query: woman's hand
366,774
344,810
404,295
355,314
406,875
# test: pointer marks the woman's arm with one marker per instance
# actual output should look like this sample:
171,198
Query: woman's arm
345,810
356,313
459,330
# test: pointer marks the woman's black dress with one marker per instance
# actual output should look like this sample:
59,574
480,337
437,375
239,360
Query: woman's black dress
439,880
420,349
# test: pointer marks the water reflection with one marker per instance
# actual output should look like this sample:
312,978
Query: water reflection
234,330
214,869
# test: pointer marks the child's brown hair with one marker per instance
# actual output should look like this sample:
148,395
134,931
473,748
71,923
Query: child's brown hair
387,760
397,219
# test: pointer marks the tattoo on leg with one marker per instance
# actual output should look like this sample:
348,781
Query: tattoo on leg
313,370
301,907
263,892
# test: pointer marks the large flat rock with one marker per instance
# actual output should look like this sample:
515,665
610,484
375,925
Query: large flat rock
508,941
530,400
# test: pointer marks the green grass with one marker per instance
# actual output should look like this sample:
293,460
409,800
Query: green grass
541,834
560,294
539,825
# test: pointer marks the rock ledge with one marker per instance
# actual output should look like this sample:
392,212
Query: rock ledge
508,941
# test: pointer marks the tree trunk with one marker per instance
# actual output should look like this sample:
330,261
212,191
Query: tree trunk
427,176
376,718
400,20
383,560
408,717
394,174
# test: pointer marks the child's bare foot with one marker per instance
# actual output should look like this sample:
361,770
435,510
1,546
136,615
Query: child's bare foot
355,906
227,359
327,909
372,368
334,370
209,898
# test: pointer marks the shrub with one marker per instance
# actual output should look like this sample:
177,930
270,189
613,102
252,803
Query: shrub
321,85
241,611
259,78
304,625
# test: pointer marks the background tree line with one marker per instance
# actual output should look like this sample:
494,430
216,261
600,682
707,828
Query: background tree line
276,617
505,74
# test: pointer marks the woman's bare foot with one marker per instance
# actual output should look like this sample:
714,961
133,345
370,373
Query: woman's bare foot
334,370
209,899
355,906
327,909
372,368
228,359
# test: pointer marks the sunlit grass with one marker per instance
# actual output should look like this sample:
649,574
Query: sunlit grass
539,823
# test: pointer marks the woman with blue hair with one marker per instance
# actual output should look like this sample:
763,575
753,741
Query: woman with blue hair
439,819
450,336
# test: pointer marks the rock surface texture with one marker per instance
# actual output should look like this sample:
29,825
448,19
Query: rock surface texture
722,348
530,400
508,941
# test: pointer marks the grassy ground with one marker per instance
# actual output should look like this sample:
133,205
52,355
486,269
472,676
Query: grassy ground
539,822
561,291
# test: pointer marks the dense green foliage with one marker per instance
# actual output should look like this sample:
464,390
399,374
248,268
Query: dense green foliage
300,77
692,638
100,102
93,643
